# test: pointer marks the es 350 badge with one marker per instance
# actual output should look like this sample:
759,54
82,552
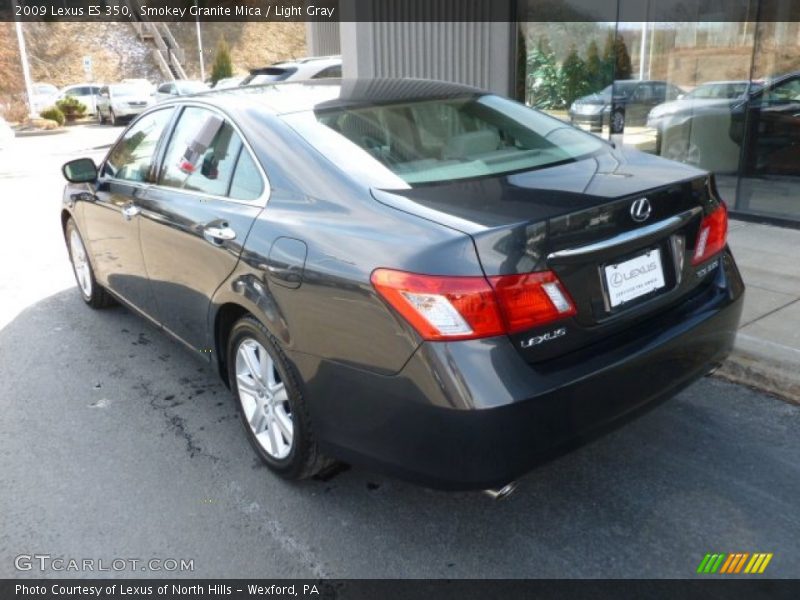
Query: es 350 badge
545,337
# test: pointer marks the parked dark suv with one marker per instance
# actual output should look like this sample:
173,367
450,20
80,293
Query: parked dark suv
637,97
415,276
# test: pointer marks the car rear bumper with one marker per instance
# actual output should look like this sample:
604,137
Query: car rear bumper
471,415
595,121
129,111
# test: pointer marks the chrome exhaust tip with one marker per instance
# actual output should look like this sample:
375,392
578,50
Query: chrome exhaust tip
503,492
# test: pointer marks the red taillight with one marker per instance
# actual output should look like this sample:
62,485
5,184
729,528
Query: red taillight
449,308
531,299
712,236
441,307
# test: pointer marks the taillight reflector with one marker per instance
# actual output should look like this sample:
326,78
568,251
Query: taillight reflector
449,308
713,235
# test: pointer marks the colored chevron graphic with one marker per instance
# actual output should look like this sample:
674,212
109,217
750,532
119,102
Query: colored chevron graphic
733,563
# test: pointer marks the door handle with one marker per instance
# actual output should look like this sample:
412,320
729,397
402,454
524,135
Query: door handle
217,235
130,210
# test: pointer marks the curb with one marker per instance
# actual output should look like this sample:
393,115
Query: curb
764,365
39,132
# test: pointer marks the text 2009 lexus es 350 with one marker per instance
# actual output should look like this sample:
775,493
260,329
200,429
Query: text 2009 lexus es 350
414,276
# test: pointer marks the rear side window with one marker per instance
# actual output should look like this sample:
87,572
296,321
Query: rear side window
132,157
334,71
202,153
247,183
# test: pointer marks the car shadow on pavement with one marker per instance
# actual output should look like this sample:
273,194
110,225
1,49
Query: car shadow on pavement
116,438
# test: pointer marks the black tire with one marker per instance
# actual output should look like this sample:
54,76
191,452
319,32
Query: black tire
97,296
304,459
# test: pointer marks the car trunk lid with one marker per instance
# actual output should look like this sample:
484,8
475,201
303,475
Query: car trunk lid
578,220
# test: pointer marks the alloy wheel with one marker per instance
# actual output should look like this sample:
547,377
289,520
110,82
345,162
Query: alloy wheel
264,399
80,263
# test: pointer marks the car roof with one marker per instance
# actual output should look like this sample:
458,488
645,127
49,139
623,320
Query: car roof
307,64
333,59
722,82
331,94
637,81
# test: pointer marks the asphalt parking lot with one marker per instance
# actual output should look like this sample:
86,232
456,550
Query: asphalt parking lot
115,443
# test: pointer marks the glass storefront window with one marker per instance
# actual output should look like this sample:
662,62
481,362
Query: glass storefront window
723,95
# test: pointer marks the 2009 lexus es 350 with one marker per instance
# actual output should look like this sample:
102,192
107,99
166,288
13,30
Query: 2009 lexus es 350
417,277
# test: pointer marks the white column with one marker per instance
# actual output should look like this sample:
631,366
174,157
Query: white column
26,73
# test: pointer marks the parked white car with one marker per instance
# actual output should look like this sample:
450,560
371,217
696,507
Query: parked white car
85,93
121,101
6,134
43,96
315,67
179,87
144,83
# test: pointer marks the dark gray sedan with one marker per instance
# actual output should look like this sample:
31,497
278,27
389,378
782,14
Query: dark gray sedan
418,277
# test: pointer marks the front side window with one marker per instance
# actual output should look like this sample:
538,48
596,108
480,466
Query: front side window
132,157
440,140
202,153
787,92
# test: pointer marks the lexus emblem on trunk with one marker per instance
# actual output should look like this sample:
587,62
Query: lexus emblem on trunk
640,210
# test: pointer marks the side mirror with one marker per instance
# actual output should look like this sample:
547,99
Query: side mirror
80,170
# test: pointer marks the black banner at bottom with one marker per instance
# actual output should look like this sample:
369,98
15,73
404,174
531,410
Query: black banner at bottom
358,589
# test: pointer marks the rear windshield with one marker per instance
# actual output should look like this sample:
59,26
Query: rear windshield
128,89
441,140
269,75
190,87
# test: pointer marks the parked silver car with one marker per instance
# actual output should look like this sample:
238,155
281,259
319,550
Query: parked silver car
121,101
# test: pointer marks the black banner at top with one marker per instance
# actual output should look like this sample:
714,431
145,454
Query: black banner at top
402,10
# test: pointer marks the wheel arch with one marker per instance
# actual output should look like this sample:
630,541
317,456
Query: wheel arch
65,216
224,319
